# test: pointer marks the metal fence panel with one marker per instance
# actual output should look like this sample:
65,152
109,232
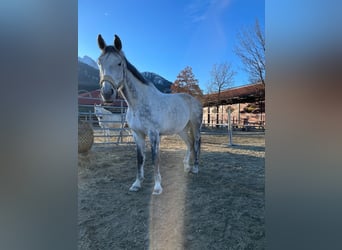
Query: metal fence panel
119,133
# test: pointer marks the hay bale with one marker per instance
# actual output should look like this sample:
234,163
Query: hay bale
85,136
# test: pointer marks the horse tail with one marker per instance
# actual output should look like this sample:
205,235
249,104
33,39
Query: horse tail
195,123
195,128
196,114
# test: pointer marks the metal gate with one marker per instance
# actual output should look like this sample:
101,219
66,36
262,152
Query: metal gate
103,136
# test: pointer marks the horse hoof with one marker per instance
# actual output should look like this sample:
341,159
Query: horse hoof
157,191
134,189
194,170
187,169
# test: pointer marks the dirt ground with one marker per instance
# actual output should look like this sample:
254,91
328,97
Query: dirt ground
222,207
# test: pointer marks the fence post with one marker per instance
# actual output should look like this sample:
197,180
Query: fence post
229,127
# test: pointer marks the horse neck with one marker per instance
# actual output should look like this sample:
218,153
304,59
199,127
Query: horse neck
133,90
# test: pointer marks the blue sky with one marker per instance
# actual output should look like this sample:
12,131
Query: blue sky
166,36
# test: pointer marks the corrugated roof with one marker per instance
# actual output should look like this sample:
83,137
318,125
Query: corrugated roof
242,94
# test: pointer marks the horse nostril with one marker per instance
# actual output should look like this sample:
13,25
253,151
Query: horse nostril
107,92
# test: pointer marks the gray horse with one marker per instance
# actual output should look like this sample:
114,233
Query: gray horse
150,112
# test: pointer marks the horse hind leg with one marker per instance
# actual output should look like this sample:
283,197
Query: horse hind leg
188,139
196,124
197,149
196,133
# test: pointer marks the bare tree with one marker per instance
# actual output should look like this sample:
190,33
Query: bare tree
222,77
251,50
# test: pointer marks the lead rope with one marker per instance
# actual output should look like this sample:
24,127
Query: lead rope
124,76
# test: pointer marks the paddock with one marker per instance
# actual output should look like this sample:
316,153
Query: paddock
222,207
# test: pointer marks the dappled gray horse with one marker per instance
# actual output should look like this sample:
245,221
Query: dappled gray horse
150,112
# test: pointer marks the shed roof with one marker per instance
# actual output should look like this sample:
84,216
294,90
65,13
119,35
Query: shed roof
242,94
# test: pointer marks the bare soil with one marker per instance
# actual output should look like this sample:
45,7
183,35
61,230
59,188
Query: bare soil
222,207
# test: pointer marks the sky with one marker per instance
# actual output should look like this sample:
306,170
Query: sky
166,36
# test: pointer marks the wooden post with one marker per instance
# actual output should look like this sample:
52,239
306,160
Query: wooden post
239,115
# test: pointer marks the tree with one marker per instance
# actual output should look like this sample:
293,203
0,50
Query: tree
251,50
222,77
187,83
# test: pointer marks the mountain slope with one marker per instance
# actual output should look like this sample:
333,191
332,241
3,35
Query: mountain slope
89,61
161,83
88,77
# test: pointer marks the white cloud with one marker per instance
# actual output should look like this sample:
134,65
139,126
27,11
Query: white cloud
200,10
196,10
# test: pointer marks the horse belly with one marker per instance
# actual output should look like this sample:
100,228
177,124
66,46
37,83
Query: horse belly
174,121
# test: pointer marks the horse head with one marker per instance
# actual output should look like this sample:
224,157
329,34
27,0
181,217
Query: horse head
112,65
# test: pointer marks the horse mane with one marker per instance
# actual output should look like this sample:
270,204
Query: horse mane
130,67
135,72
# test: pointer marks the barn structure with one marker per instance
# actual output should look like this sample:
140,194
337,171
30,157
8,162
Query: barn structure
246,103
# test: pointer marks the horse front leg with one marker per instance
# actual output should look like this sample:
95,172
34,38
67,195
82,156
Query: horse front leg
155,141
140,142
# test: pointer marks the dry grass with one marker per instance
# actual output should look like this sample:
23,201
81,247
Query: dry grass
222,207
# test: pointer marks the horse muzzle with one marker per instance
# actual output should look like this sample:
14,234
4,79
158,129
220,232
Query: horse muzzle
108,95
108,89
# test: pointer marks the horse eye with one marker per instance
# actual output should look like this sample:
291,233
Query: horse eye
119,64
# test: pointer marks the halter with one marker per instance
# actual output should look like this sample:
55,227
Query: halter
112,82
109,79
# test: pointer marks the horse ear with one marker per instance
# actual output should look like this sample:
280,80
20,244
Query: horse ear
117,43
101,42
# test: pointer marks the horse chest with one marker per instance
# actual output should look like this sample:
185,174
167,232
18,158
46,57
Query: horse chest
139,120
